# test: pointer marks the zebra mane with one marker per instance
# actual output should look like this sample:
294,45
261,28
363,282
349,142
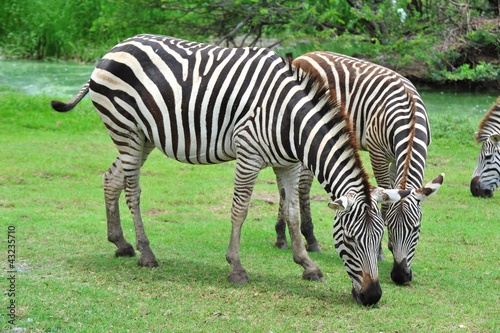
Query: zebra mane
490,124
413,115
306,75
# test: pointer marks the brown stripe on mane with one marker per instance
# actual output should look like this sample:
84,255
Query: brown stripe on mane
485,126
306,66
413,115
305,71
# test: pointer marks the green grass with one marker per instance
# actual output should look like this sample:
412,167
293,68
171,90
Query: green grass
68,279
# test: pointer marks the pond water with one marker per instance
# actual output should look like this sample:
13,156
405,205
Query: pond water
460,103
64,80
58,79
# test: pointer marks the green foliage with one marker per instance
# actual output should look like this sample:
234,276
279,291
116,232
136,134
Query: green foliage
398,32
484,38
118,20
480,72
35,30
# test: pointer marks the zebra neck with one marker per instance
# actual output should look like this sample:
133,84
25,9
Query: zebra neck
325,144
490,124
410,145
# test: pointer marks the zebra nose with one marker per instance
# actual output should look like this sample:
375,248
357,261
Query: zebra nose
475,188
369,295
401,273
477,191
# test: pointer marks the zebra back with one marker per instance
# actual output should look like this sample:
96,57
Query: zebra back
188,93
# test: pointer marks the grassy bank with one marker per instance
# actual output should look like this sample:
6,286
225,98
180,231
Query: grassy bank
68,279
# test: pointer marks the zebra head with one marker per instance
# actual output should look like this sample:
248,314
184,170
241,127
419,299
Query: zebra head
403,219
357,232
486,176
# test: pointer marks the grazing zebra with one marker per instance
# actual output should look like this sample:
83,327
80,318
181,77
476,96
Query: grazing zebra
202,104
486,176
391,123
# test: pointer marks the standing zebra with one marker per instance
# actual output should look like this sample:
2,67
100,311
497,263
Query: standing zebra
202,104
486,176
391,123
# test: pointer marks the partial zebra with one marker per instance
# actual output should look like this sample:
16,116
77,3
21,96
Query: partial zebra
486,176
203,104
390,122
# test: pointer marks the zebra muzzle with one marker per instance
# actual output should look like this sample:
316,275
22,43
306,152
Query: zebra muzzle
370,293
401,273
477,191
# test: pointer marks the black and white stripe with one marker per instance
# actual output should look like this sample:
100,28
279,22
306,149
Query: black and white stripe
486,176
203,104
391,123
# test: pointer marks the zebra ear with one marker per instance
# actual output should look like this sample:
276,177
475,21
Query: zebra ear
342,203
289,60
430,188
383,195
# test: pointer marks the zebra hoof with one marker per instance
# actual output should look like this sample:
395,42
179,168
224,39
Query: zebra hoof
283,245
238,277
313,276
147,261
313,247
127,251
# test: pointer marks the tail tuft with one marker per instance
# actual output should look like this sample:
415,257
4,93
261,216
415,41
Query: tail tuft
61,106
65,107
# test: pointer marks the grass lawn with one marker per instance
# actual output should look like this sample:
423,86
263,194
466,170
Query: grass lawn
68,280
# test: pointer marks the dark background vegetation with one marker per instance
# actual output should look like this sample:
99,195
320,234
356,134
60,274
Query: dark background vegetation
434,42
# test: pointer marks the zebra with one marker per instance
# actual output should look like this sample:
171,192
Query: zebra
391,123
486,176
202,104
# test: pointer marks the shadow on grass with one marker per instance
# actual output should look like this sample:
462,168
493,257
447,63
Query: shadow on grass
203,273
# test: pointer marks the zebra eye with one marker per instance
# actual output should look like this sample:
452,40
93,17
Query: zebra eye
348,239
416,228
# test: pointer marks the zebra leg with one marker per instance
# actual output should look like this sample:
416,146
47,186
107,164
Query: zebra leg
306,224
246,172
280,228
288,181
385,207
380,166
113,181
136,154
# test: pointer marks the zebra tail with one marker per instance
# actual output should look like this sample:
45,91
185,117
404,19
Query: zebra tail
65,107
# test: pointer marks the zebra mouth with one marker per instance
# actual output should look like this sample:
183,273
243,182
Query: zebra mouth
478,191
488,193
369,295
401,274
